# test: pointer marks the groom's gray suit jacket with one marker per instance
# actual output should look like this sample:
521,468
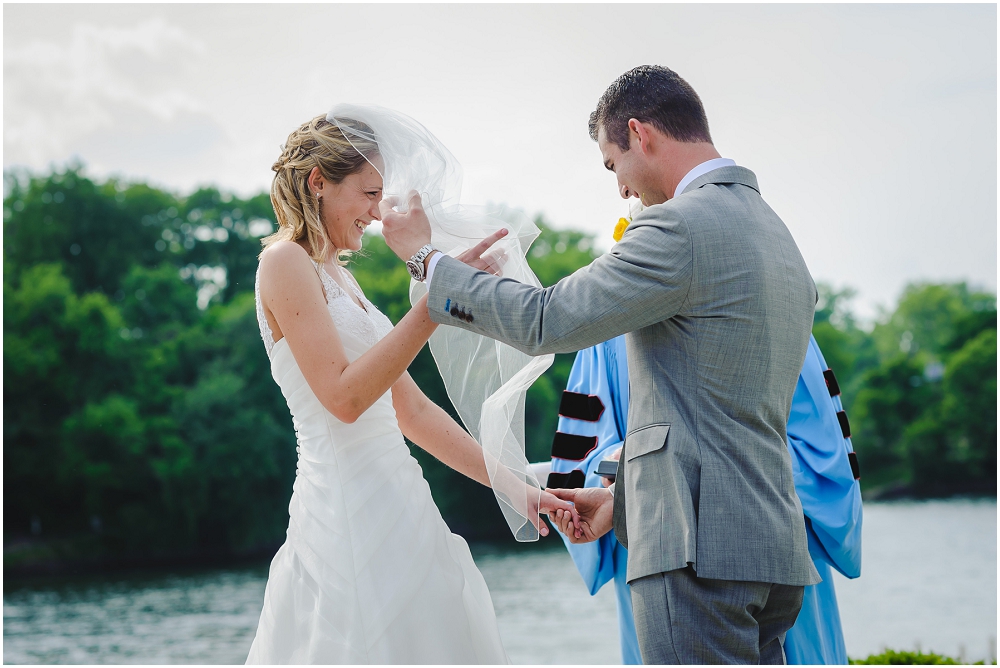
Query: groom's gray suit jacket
718,306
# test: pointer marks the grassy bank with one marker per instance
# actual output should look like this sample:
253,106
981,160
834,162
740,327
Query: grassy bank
891,657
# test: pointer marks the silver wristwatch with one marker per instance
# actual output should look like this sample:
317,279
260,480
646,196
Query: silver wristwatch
415,265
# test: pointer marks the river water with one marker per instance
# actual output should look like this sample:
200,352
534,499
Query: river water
929,580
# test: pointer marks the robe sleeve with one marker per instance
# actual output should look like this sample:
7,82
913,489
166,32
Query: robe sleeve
831,497
600,371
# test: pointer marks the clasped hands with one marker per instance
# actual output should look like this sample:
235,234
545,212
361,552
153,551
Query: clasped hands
594,505
583,515
595,508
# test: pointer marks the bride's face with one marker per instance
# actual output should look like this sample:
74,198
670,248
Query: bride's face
348,207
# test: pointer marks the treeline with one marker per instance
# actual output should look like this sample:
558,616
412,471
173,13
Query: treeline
920,389
140,416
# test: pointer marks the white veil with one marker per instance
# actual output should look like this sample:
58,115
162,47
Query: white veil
486,380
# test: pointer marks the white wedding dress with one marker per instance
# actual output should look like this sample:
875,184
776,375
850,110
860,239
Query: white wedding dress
369,571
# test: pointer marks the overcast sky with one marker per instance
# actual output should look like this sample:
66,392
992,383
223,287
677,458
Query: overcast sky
872,129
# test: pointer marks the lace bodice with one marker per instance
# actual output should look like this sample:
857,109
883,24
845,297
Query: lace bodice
367,323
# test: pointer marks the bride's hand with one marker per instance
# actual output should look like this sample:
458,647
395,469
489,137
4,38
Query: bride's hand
548,504
478,257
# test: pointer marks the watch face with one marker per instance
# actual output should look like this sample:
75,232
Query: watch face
415,269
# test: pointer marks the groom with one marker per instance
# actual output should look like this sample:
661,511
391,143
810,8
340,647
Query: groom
717,305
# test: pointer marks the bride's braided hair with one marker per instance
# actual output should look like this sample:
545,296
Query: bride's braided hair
317,143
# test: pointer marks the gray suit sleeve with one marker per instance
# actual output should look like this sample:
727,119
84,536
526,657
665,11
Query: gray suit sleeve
643,280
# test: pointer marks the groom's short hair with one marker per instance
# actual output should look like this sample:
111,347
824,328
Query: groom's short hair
650,94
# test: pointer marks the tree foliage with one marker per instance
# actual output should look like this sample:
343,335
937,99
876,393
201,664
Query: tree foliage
140,412
131,414
139,405
920,388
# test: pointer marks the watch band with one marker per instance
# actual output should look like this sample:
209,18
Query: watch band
415,265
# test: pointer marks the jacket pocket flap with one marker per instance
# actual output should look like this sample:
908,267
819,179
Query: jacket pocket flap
644,440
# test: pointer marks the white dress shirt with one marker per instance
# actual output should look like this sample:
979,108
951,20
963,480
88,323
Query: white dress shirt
431,263
703,168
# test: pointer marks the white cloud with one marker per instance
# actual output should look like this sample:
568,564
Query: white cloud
871,128
58,92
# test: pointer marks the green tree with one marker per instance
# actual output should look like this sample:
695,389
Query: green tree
95,231
157,301
892,396
558,253
140,416
130,413
61,353
926,415
952,446
924,321
848,349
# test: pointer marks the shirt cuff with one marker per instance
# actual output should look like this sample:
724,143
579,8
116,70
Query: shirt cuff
431,263
611,488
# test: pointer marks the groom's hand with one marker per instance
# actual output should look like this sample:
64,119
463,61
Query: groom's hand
595,506
405,233
477,257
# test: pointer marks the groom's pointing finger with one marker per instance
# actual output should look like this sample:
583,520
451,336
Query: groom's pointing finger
483,246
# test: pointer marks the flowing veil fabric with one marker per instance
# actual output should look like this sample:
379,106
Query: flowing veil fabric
486,380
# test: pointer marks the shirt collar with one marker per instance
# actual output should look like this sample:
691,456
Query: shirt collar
703,168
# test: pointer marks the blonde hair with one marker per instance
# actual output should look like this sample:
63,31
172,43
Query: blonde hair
317,143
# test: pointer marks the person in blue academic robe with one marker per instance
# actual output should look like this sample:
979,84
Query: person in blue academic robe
592,427
592,421
826,474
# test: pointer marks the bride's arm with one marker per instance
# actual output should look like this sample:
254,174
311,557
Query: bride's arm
433,430
290,289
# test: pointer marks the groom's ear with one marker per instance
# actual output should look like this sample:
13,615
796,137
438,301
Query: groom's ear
639,135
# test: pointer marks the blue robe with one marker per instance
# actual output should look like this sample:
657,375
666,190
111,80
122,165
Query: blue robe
831,497
602,370
831,502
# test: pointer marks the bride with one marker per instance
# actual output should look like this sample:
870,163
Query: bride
369,571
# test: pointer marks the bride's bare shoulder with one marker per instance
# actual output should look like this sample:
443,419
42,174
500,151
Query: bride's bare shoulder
282,256
285,263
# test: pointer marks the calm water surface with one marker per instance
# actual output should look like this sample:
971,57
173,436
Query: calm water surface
929,579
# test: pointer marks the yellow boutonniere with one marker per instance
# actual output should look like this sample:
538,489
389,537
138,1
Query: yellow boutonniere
620,228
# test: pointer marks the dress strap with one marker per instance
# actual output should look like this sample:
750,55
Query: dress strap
322,283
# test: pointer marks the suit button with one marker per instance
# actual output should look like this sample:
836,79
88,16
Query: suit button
468,318
454,311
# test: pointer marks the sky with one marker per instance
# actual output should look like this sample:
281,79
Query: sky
872,129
